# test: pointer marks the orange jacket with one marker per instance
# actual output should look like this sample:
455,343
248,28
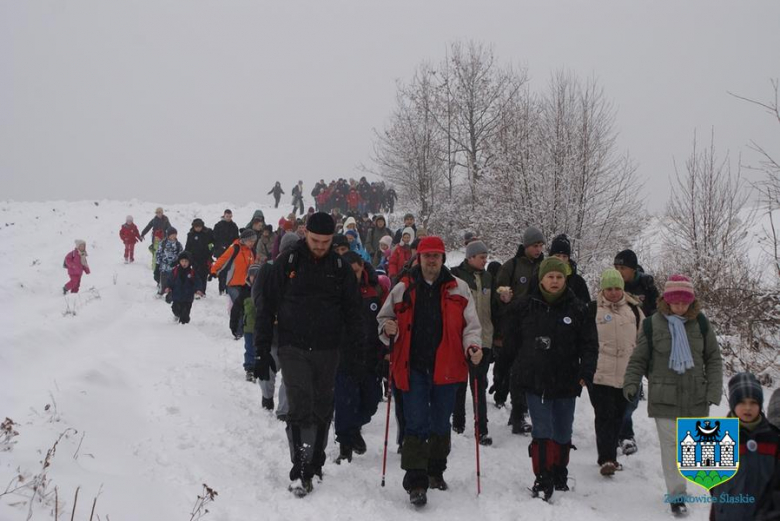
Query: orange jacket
237,269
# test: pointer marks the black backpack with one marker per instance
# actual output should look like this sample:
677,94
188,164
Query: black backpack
291,266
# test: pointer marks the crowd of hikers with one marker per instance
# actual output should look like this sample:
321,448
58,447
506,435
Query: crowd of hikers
341,195
350,311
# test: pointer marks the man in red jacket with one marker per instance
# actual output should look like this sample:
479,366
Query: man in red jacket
434,321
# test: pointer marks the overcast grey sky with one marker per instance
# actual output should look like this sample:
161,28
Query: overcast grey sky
179,101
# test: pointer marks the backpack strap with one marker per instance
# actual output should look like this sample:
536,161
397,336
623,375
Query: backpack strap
704,327
229,263
647,327
635,309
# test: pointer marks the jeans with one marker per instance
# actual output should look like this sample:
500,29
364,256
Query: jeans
552,418
427,410
249,352
609,406
427,407
627,428
356,401
398,398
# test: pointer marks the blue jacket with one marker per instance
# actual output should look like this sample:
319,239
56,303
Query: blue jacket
184,283
360,250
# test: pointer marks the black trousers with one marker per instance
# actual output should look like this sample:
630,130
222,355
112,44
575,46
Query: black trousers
181,310
480,373
222,277
310,381
609,406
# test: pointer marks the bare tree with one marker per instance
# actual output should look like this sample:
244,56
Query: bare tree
473,94
769,187
408,151
707,218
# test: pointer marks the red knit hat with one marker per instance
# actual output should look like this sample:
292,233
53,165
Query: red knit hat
431,244
679,290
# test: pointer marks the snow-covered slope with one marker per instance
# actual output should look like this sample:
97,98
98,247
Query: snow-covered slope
161,408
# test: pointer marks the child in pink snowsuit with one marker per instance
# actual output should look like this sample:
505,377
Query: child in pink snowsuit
129,235
76,262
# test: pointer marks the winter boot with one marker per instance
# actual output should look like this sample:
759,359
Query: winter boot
300,479
608,468
544,455
359,444
679,509
485,440
301,487
543,486
437,463
561,467
345,454
518,422
628,446
437,482
458,429
418,497
319,456
267,403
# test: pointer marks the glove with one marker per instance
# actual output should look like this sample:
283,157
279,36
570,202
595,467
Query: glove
629,391
264,364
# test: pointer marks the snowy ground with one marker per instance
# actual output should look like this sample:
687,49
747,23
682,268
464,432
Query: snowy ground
161,408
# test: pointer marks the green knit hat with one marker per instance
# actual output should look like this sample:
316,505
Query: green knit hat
611,278
551,264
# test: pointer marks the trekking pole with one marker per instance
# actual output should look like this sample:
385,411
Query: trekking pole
387,418
476,431
475,388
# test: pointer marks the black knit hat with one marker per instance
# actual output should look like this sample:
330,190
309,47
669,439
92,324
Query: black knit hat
321,224
171,231
745,385
352,257
626,258
560,244
340,239
184,255
198,222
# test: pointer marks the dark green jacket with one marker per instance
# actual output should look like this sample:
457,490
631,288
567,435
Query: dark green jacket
672,395
519,273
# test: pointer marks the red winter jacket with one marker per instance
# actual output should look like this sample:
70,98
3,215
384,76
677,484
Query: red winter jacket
129,233
460,330
353,200
398,258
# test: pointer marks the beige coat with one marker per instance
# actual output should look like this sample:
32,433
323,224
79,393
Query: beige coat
617,327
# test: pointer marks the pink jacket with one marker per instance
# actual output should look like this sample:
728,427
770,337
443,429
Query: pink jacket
73,263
